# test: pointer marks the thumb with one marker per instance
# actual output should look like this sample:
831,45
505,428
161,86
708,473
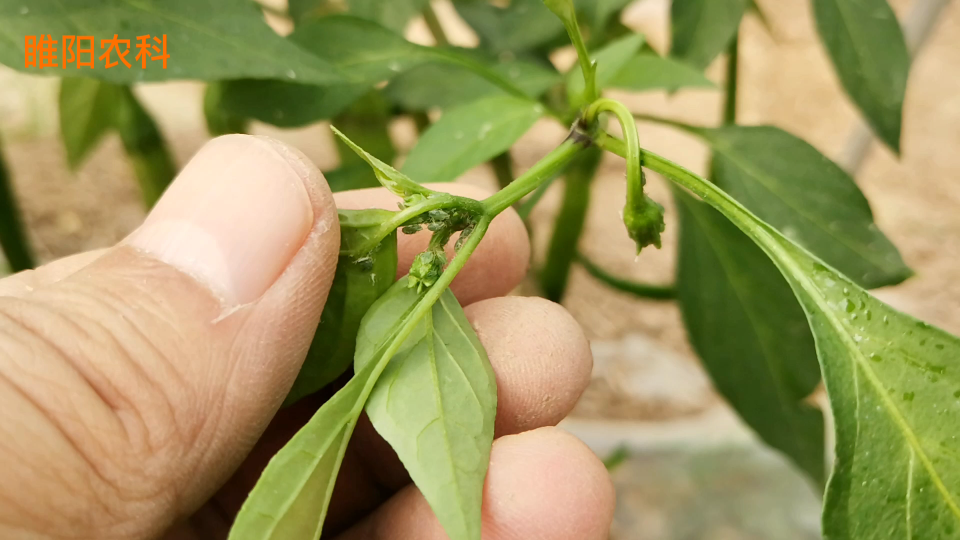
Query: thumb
131,388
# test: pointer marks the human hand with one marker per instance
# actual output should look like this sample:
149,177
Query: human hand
139,385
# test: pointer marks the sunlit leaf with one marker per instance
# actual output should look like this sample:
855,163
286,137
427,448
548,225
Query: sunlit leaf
469,135
435,404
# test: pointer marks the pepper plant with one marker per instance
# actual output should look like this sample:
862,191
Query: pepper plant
777,248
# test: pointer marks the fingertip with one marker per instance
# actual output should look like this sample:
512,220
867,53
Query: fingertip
547,484
541,358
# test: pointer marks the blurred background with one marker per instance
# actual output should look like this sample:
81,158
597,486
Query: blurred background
685,467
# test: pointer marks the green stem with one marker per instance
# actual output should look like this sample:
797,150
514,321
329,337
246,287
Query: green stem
433,23
635,180
145,147
503,169
569,224
436,201
527,206
589,68
640,290
551,165
13,238
220,122
733,64
677,174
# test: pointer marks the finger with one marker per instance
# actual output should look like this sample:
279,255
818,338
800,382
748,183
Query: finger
25,282
147,375
542,363
541,484
497,266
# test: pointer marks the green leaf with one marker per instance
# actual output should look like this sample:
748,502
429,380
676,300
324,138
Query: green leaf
751,333
792,186
392,179
285,104
219,120
893,387
703,28
568,225
610,60
446,85
521,26
367,51
435,404
367,123
13,237
206,40
469,135
649,71
357,284
393,14
145,147
87,113
868,50
353,176
599,12
290,500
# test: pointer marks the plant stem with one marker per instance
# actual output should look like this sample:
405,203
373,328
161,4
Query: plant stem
145,147
733,66
551,165
640,290
527,206
433,23
13,238
635,180
503,169
435,201
569,224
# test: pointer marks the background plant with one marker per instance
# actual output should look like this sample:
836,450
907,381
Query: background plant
736,284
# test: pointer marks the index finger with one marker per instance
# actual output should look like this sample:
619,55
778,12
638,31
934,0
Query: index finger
497,266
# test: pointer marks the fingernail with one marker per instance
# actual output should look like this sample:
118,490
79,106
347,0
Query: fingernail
234,217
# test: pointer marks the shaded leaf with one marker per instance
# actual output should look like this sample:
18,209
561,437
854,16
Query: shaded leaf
868,50
219,120
353,176
366,123
521,26
285,104
599,12
145,147
87,113
445,85
648,71
702,29
206,39
435,404
13,238
610,60
469,135
357,284
792,186
392,14
751,333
